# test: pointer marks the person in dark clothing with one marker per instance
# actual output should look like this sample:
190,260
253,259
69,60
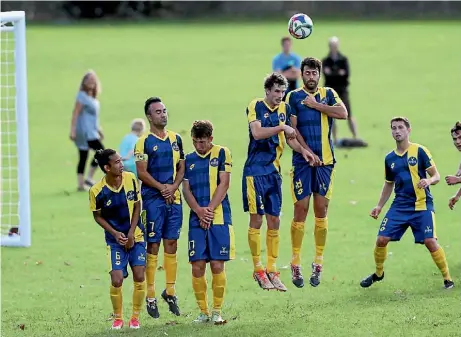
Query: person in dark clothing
336,73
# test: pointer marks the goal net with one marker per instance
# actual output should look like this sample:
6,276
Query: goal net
14,139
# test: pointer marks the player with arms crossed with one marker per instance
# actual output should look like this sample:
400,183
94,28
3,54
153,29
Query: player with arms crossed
456,179
406,168
159,160
116,205
268,120
313,110
211,235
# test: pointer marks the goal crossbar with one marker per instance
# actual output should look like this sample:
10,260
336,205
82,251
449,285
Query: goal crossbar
14,23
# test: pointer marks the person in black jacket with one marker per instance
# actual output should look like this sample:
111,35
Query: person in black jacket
336,73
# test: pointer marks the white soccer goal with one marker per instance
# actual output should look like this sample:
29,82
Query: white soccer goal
14,133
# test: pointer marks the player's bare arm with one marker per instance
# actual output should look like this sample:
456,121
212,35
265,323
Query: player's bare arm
337,111
145,177
134,223
308,156
453,200
385,195
221,190
77,110
120,237
454,179
205,214
433,180
169,190
300,139
260,132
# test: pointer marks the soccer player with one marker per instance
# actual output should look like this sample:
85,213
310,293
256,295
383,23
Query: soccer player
268,120
159,159
456,179
406,169
115,203
313,110
211,235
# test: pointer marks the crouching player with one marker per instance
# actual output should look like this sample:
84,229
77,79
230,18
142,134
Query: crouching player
211,235
115,203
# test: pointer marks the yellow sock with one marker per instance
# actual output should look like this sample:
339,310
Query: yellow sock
200,290
170,273
151,268
254,240
219,287
139,292
272,243
116,298
297,235
441,261
380,257
320,235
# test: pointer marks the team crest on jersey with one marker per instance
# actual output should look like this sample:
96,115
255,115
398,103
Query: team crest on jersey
155,148
412,161
214,162
175,146
130,195
282,117
324,101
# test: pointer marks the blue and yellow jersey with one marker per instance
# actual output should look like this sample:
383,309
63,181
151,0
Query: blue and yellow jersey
162,156
314,126
202,173
117,206
264,155
406,170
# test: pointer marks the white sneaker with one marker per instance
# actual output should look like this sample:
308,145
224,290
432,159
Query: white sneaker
217,319
202,318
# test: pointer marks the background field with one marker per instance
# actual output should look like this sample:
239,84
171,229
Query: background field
59,286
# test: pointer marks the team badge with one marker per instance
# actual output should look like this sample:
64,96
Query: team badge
130,195
175,146
155,148
412,161
214,162
266,115
282,117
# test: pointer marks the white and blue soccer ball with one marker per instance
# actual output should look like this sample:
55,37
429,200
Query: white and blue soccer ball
300,26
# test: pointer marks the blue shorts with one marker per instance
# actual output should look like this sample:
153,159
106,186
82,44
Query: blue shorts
119,258
262,194
396,222
162,221
306,180
217,243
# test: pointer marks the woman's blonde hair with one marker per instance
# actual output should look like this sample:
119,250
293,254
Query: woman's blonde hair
138,124
94,92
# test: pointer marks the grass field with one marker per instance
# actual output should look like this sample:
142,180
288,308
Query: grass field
59,286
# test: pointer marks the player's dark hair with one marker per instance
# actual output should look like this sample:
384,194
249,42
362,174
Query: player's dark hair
273,79
201,129
311,63
102,157
149,101
456,128
401,119
284,39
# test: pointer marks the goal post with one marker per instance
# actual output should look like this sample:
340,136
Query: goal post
15,222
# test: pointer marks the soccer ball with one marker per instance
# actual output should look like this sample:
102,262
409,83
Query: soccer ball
300,26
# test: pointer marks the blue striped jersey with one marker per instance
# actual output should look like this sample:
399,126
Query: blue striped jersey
202,173
264,155
162,156
117,206
406,170
314,126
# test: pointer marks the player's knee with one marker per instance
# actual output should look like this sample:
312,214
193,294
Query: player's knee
320,206
301,208
217,267
153,248
117,280
198,268
273,222
431,244
382,241
170,246
256,221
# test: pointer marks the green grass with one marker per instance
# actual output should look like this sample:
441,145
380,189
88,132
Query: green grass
59,286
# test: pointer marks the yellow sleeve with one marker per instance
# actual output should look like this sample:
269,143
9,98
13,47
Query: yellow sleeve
334,97
93,206
225,161
428,161
251,112
139,154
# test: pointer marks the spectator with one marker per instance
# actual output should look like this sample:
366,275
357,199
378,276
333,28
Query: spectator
336,71
138,127
288,64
